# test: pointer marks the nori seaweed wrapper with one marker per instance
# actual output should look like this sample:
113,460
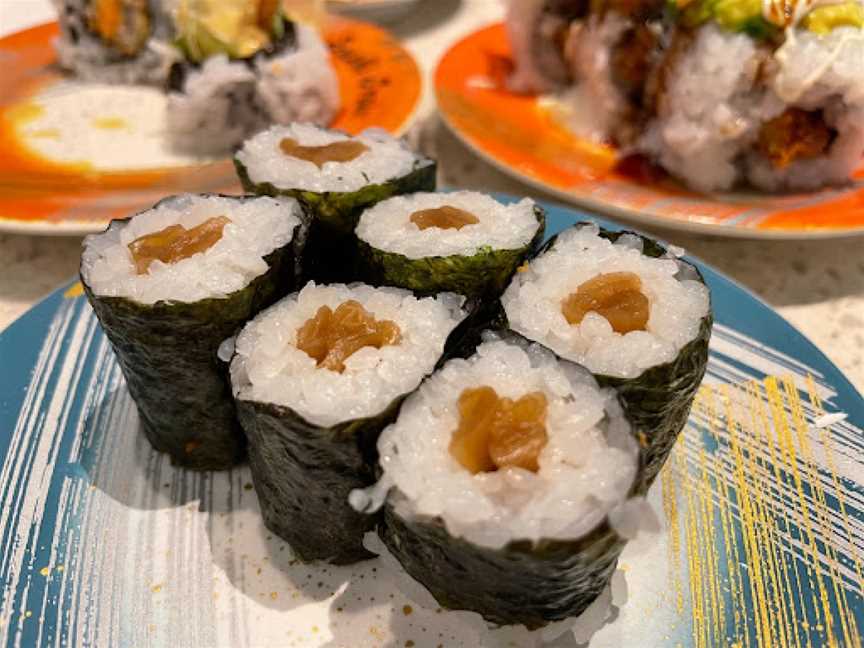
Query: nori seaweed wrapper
303,473
657,402
167,352
331,254
528,583
484,274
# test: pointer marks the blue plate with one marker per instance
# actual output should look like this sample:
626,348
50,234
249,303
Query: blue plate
104,543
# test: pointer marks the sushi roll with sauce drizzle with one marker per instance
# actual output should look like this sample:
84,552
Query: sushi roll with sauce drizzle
335,176
316,377
501,474
245,66
463,242
115,41
637,317
719,94
169,285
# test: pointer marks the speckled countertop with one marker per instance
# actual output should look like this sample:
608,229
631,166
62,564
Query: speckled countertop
818,286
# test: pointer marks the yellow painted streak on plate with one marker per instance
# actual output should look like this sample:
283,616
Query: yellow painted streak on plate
75,290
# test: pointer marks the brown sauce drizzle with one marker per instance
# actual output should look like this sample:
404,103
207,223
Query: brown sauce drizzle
175,243
330,337
617,296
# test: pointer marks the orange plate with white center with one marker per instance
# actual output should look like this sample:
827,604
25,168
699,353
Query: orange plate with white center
518,135
74,155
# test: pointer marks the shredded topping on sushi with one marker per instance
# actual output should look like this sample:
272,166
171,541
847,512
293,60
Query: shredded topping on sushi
341,151
617,296
330,337
795,134
444,217
497,432
175,243
123,24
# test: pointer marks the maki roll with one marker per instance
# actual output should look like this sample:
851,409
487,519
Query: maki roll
168,286
503,470
464,242
316,377
115,41
246,66
335,176
637,317
719,94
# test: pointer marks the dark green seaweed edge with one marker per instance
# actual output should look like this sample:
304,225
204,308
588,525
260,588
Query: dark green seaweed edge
483,274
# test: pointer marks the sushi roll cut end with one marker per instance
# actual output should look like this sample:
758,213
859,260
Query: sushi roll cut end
463,241
507,466
169,286
316,378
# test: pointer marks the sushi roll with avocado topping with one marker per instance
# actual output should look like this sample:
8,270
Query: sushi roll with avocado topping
501,474
634,315
169,285
316,377
246,66
115,41
464,242
335,176
717,93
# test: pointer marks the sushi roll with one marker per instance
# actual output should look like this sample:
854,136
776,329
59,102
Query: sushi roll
464,242
720,94
245,66
335,176
169,285
501,474
316,377
115,41
634,315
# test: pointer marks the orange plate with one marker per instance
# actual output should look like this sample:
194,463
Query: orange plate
516,134
379,81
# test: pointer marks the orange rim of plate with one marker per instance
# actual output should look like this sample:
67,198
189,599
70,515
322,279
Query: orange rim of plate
519,136
380,86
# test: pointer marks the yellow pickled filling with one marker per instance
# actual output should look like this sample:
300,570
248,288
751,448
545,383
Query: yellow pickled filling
445,217
617,296
497,433
123,24
175,243
330,337
343,151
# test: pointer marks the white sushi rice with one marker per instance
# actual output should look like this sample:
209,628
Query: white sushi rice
387,226
386,159
712,110
819,71
585,469
258,227
224,101
715,106
268,367
677,304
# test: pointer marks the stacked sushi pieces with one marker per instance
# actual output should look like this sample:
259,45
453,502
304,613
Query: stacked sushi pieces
230,67
488,406
718,93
